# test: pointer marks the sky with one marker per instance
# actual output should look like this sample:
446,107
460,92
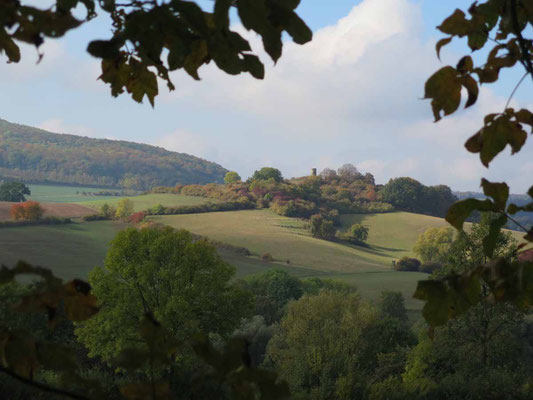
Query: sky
352,95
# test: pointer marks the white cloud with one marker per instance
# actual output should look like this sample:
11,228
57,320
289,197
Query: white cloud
182,141
58,125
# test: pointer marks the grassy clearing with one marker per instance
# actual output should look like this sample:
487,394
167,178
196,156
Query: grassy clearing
149,200
70,250
64,194
262,231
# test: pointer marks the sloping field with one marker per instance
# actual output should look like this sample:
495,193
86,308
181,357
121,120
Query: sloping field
149,200
70,250
391,236
50,210
262,231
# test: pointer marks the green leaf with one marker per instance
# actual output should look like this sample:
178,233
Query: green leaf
196,58
459,211
498,191
254,66
298,30
108,49
472,88
441,43
490,241
444,88
456,24
465,65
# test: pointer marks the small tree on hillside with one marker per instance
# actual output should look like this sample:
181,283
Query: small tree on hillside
434,244
267,173
357,234
125,208
232,177
322,228
348,173
14,191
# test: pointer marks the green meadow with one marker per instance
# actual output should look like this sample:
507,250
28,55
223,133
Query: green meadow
145,201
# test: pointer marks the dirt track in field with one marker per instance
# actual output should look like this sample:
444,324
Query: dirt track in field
50,210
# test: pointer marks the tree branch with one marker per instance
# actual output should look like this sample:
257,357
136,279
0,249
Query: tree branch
42,386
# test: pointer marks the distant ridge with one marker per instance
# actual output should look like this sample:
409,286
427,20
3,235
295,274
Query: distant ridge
36,156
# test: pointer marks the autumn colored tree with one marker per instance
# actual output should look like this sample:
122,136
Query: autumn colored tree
434,244
27,211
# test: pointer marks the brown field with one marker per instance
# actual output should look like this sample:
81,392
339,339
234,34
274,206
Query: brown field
50,210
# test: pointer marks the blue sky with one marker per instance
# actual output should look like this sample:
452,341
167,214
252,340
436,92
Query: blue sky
352,95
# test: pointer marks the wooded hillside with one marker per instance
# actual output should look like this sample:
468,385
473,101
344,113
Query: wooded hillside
37,156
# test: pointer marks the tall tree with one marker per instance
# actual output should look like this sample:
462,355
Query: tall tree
14,191
183,283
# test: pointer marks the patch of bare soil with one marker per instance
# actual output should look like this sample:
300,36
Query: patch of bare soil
63,210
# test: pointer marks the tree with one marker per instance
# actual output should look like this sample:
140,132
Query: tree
145,31
27,211
403,193
321,227
267,173
125,208
348,173
107,211
14,191
392,305
357,234
273,290
434,244
183,283
466,251
231,177
327,345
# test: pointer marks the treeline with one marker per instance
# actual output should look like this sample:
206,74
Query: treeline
37,156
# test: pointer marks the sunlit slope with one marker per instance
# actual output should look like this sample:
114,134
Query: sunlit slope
262,231
149,200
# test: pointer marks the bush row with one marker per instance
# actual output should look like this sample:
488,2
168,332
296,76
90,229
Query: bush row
408,264
201,208
42,221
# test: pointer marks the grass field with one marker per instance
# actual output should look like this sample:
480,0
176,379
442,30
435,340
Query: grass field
149,200
70,250
64,194
261,231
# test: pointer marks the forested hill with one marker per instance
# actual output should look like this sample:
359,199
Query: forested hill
37,156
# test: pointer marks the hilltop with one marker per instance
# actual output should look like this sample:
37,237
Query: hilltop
37,156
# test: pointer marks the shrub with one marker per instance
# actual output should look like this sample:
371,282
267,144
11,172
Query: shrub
27,211
408,264
158,209
430,267
322,228
136,218
357,234
95,217
42,221
125,208
267,257
107,211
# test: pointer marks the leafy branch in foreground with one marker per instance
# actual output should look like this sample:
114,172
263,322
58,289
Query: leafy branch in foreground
151,38
498,280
